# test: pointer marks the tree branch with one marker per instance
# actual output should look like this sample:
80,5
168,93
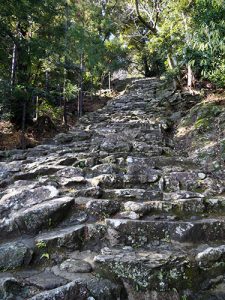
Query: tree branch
148,25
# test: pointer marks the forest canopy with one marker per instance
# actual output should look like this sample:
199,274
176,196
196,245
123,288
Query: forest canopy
51,51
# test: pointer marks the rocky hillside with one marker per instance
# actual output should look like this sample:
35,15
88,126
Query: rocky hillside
115,209
201,132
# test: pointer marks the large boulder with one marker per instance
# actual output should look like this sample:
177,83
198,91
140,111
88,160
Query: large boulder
14,255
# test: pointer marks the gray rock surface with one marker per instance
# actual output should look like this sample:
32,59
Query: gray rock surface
14,255
112,209
75,266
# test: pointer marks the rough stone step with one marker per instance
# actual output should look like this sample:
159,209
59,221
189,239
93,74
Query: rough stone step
42,280
72,136
217,292
148,270
123,177
93,191
71,279
67,160
180,207
134,144
171,209
192,181
182,194
143,232
24,194
72,290
70,176
132,194
11,288
143,179
174,269
32,172
131,125
120,160
133,128
37,217
16,254
69,238
140,162
87,288
49,150
133,176
161,161
215,204
134,169
51,282
180,268
99,287
123,159
101,208
150,192
72,237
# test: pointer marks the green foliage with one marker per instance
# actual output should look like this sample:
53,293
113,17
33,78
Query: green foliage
4,103
217,74
81,164
202,123
85,40
47,63
47,109
171,74
41,244
206,115
208,40
188,34
45,255
71,90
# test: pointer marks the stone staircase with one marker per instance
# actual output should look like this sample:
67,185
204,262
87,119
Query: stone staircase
111,211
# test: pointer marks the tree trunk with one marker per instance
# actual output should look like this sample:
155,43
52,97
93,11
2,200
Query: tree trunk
109,81
148,24
64,100
22,65
23,140
102,82
14,62
80,101
172,65
190,74
65,67
92,88
80,98
37,108
147,71
46,84
13,68
170,62
190,77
